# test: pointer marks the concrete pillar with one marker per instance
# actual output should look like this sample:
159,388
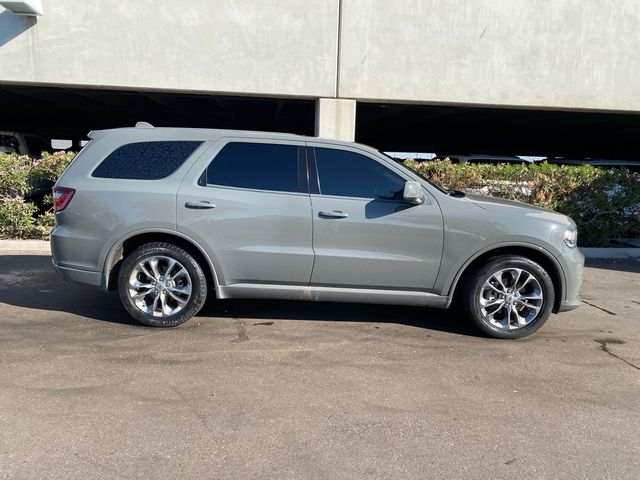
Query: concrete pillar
336,118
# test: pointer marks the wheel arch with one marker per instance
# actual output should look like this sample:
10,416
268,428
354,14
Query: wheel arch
126,245
539,255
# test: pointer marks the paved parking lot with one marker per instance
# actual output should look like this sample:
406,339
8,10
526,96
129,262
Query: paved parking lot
257,389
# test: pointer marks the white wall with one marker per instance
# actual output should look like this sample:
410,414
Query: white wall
541,53
532,53
275,47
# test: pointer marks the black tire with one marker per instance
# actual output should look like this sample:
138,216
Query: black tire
196,276
473,290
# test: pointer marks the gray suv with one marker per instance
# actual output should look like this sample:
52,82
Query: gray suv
169,215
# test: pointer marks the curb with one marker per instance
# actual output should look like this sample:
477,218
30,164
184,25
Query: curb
30,246
612,253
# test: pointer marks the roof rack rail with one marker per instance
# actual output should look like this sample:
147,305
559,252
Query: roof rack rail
143,125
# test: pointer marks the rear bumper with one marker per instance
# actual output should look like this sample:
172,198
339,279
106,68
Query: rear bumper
73,260
79,276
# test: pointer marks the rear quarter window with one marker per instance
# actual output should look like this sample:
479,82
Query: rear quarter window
145,160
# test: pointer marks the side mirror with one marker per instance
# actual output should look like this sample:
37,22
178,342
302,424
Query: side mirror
413,193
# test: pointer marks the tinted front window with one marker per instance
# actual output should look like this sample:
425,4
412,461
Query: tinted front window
145,160
348,174
258,166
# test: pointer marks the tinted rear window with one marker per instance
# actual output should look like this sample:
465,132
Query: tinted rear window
258,166
145,160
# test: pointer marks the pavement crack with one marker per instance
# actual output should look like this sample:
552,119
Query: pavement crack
599,308
604,346
199,415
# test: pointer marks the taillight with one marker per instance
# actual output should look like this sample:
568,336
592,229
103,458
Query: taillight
61,197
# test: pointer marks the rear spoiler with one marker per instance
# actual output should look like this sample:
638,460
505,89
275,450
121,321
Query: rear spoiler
93,134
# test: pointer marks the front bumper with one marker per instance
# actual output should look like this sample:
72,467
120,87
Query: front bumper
570,305
572,263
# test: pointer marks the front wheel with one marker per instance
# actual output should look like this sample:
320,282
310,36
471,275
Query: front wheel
161,285
510,297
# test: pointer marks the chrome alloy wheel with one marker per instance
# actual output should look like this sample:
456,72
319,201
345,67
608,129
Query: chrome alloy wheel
160,286
510,299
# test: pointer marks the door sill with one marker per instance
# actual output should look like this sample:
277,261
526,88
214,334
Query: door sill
333,294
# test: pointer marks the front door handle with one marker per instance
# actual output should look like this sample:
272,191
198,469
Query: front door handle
333,214
201,205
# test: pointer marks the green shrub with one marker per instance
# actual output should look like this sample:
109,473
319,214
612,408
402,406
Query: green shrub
605,204
19,175
16,218
14,174
50,166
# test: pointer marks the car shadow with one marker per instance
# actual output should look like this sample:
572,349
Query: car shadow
261,310
29,281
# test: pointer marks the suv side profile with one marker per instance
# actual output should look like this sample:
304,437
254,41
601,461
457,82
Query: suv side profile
170,215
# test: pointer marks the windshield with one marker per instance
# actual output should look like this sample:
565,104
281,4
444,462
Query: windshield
401,164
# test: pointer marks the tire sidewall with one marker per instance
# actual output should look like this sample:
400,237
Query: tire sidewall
477,281
198,284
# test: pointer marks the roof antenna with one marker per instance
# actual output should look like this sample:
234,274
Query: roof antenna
143,125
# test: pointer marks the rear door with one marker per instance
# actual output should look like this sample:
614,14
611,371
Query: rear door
364,234
247,203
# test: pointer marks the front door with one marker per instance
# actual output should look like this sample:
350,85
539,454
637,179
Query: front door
246,202
364,234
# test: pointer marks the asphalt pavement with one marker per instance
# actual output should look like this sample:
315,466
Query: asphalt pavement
293,390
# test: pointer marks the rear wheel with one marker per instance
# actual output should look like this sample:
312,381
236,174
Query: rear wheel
510,297
161,285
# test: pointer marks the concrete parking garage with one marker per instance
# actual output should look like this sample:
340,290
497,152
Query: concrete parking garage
70,113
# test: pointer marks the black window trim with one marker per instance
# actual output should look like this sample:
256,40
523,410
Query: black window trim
303,170
202,180
314,178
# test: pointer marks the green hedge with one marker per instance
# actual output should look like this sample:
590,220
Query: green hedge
19,175
604,203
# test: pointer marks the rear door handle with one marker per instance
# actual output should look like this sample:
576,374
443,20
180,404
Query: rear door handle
333,214
201,205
